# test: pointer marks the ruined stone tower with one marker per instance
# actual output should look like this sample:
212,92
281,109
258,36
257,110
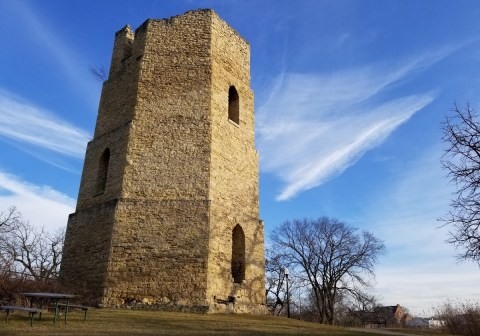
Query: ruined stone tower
167,212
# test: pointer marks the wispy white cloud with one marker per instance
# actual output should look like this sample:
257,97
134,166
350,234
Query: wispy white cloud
66,58
314,126
42,206
25,123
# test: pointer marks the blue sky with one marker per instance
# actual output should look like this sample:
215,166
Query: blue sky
349,99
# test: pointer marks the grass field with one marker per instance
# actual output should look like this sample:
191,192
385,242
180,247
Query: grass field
106,322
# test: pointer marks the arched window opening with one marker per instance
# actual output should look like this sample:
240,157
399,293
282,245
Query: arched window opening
233,105
102,172
238,254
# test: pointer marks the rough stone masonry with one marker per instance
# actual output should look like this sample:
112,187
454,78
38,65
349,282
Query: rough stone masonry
167,213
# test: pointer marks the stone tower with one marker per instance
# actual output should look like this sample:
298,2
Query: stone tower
167,212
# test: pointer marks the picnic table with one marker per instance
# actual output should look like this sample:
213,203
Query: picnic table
57,299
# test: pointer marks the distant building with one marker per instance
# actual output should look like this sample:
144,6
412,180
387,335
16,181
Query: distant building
417,322
424,323
381,317
366,319
395,316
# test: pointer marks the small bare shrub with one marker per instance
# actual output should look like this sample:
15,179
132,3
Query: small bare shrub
13,284
460,318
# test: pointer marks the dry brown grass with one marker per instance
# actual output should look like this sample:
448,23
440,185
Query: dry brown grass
461,318
106,322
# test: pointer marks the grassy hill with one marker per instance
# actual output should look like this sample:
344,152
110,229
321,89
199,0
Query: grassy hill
106,322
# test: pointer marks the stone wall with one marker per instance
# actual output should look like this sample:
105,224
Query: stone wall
87,250
234,177
180,176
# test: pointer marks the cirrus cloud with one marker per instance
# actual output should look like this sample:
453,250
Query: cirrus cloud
43,206
313,127
27,124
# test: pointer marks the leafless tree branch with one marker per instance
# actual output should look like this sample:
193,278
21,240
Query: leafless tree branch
98,72
461,160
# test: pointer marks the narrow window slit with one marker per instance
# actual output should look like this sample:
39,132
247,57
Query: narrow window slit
233,105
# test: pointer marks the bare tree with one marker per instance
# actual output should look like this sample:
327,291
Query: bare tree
9,221
461,159
331,256
27,250
362,301
275,282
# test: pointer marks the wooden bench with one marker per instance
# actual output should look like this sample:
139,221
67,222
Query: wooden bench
74,306
31,311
